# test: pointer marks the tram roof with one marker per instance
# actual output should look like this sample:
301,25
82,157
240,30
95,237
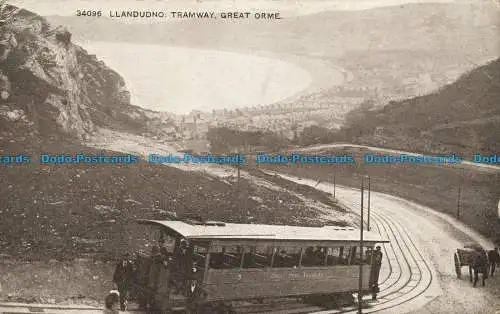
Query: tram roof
232,231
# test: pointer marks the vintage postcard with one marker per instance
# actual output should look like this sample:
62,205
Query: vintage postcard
250,156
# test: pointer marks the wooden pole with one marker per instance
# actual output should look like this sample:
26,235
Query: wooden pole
369,192
458,194
241,210
334,185
361,244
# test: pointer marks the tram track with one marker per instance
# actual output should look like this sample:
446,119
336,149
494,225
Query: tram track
421,284
408,265
409,274
420,275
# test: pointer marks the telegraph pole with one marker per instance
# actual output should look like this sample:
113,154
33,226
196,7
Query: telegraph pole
334,184
242,212
458,193
239,167
361,244
369,190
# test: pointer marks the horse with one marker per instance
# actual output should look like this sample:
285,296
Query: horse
479,265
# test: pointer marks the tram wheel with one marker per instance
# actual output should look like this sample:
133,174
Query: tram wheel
458,266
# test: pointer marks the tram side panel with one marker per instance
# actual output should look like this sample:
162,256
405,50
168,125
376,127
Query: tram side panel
226,284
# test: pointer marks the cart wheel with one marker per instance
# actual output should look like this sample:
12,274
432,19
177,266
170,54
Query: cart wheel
458,267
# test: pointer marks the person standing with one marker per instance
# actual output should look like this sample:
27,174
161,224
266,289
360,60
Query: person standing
480,265
377,264
494,259
122,278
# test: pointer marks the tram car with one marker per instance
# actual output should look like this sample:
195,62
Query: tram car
211,265
465,257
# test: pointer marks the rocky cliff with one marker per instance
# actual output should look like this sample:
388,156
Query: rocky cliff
48,85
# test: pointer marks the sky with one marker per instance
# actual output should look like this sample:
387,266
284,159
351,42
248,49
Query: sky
286,7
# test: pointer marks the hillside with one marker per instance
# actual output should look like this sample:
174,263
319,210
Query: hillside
54,86
53,96
463,117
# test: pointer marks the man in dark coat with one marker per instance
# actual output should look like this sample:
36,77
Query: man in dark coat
480,265
377,263
494,259
123,278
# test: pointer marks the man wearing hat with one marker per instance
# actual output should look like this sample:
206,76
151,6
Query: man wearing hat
377,263
122,278
494,259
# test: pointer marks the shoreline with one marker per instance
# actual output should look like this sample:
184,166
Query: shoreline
323,73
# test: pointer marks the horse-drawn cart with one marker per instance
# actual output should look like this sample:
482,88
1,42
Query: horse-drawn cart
465,257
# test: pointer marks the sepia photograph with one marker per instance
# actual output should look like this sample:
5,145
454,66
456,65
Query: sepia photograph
250,156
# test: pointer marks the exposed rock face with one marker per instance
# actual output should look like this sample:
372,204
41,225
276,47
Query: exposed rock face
58,85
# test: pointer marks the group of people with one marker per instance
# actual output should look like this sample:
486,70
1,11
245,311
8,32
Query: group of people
125,273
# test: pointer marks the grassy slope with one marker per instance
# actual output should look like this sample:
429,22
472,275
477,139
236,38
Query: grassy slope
463,117
51,218
436,187
43,207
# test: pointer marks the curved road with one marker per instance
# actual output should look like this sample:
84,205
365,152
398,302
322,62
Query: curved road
418,265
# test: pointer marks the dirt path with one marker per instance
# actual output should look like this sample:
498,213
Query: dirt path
421,277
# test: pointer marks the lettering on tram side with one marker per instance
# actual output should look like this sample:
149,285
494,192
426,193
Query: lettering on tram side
318,275
293,276
276,276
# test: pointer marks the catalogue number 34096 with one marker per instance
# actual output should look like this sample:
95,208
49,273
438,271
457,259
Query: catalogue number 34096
88,13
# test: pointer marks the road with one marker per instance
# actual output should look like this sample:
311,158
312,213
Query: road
418,266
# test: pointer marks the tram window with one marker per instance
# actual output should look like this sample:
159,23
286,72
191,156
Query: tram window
314,256
199,254
367,258
287,257
201,249
367,252
258,257
350,254
336,256
226,257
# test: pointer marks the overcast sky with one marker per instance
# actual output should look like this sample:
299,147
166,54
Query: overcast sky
287,7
